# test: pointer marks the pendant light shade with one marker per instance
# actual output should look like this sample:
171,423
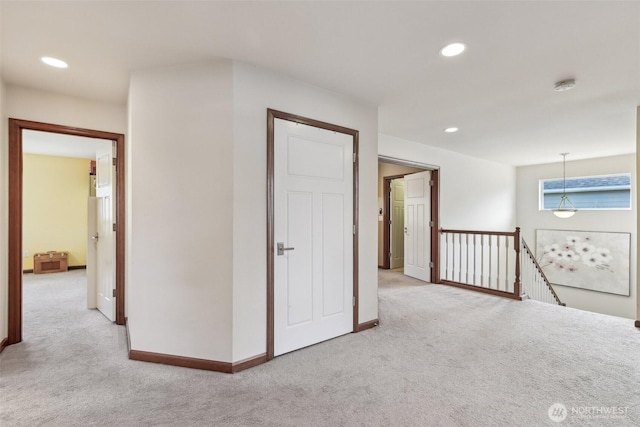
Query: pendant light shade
565,208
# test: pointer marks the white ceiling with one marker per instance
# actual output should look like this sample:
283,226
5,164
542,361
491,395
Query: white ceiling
499,93
55,144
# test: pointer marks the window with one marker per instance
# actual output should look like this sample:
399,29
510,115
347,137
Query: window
606,192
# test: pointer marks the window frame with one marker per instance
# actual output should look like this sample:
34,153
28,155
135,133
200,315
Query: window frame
541,192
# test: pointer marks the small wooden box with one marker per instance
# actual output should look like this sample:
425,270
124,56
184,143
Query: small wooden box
50,262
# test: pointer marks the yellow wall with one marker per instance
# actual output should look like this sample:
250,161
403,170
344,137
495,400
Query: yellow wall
55,193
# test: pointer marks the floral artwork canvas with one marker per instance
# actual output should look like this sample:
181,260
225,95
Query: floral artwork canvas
597,261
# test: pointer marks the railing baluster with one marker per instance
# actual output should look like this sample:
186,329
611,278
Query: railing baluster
446,255
444,258
466,267
506,262
459,257
475,248
453,260
533,277
482,261
446,239
530,271
526,275
453,257
498,262
490,263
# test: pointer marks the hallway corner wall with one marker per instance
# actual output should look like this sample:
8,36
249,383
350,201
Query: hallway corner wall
181,192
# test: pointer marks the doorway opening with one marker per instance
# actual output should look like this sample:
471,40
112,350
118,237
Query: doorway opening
408,239
15,255
57,198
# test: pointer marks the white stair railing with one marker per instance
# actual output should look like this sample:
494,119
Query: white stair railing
534,282
484,261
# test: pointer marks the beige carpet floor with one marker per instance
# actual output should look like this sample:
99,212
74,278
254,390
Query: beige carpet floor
441,357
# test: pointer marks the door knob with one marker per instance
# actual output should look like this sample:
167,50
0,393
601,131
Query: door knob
95,237
282,249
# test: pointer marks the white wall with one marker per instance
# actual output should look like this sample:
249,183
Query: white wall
637,196
28,104
47,107
530,218
4,213
180,262
475,194
255,90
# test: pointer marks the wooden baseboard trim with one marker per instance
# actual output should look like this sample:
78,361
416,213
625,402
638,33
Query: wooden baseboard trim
71,267
126,328
248,363
194,363
185,362
367,325
637,324
481,290
3,344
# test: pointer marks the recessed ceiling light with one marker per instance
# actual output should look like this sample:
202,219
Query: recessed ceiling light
563,85
451,130
453,49
54,62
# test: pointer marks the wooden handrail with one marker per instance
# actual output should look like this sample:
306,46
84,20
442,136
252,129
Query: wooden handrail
488,233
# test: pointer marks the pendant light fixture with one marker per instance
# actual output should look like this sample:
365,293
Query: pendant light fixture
565,208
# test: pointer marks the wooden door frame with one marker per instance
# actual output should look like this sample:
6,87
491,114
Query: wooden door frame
14,297
386,220
271,116
435,213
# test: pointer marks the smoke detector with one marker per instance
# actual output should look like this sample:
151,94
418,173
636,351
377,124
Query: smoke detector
563,85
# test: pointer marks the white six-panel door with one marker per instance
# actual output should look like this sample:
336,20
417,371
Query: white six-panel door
313,220
105,248
417,210
92,247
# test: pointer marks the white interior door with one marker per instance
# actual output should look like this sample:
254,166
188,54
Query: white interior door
417,242
92,246
106,247
313,224
397,223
